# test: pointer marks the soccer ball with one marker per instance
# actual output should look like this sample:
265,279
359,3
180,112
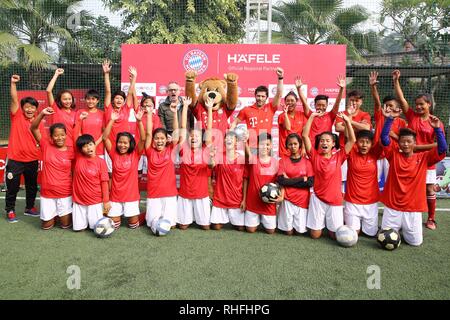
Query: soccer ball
270,192
161,227
346,236
389,239
241,132
104,227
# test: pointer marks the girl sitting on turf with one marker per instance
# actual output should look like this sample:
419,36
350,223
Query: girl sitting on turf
228,200
90,185
325,205
125,155
161,182
295,174
56,176
63,107
193,198
261,170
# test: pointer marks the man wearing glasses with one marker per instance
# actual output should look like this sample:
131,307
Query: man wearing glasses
174,99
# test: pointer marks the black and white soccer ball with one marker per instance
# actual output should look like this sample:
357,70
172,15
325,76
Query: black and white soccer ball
160,227
270,192
104,227
389,239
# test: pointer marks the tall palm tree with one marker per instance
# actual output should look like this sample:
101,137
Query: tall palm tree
324,22
31,27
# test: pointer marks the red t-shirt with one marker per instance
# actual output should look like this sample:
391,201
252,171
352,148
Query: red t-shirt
303,168
161,181
405,188
362,176
66,118
220,121
297,123
360,117
120,125
194,173
229,181
22,146
321,124
422,128
88,175
328,176
258,119
125,187
56,175
93,125
259,174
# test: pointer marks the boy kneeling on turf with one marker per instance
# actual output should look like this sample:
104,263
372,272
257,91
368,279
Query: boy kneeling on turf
404,194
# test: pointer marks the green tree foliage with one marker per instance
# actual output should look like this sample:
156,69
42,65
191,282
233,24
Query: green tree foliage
324,22
182,21
96,40
29,28
425,24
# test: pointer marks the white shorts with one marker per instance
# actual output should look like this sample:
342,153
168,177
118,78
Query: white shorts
344,169
190,210
321,215
108,162
431,176
51,208
128,209
366,215
161,207
84,216
409,222
291,217
224,215
142,165
252,219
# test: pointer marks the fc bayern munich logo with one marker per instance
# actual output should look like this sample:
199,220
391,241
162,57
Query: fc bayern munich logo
195,60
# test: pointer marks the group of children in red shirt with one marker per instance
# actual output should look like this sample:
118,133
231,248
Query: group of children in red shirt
77,190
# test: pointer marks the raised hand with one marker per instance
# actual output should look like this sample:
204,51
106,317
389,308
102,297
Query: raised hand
317,114
396,75
280,72
373,78
387,112
106,65
343,116
84,115
59,71
187,101
139,115
48,111
286,109
209,103
133,72
15,78
434,121
173,106
341,81
298,82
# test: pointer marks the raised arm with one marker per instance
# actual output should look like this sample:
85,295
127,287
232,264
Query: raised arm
132,90
14,105
208,134
341,84
440,136
106,71
184,114
140,127
373,81
51,85
298,84
306,130
399,92
106,141
349,132
149,133
276,100
37,121
176,127
287,121
389,119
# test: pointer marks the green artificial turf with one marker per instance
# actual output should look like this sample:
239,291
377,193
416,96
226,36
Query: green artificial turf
226,264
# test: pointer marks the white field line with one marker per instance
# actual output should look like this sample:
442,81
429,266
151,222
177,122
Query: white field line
144,201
